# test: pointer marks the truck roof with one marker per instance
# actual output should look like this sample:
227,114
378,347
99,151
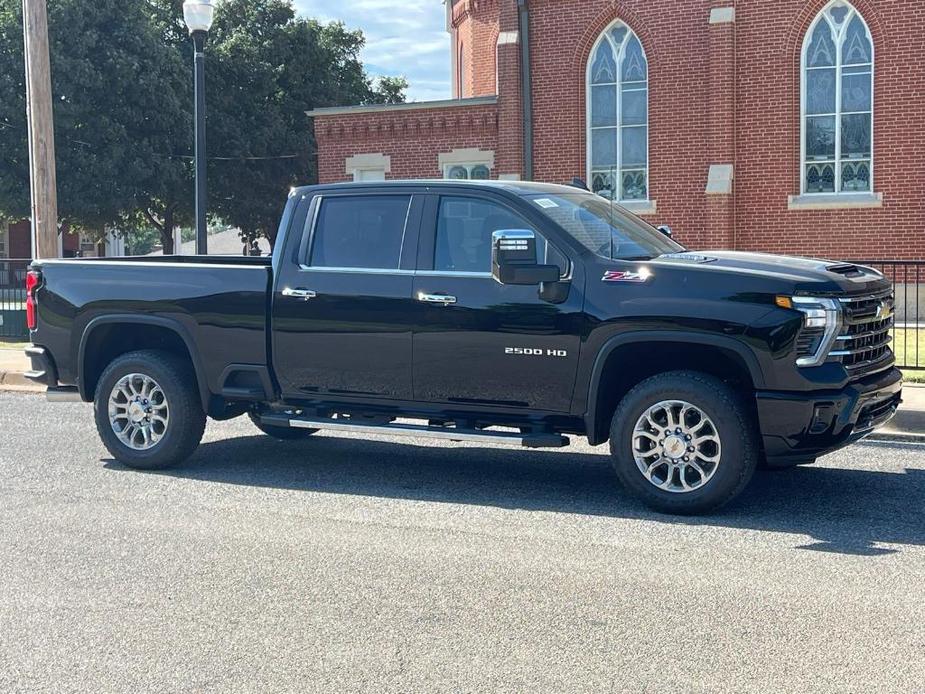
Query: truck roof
515,187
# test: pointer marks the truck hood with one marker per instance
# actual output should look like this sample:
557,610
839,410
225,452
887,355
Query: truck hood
801,274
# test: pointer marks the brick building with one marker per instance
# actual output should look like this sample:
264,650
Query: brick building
790,126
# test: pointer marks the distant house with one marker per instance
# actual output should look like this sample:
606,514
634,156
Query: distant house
223,243
788,126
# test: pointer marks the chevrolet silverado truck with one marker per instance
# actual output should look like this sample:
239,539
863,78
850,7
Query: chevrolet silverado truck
489,312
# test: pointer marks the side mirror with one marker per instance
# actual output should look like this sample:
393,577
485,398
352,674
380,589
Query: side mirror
665,229
513,259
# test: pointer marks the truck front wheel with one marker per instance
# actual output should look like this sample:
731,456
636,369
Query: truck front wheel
148,412
683,442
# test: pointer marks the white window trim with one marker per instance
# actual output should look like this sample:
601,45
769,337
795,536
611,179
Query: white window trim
368,162
852,198
646,206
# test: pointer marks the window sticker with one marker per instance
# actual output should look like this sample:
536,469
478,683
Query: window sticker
546,203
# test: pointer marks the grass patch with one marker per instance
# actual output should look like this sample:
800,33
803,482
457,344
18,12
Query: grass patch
909,347
14,345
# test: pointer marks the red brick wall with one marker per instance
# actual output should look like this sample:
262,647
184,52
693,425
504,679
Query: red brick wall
718,94
476,23
412,138
675,38
769,39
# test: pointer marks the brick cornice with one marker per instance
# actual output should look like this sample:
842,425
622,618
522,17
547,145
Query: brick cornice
407,125
465,8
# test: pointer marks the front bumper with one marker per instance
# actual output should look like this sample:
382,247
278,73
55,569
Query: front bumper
798,427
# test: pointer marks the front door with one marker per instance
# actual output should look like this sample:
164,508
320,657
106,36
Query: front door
342,313
480,342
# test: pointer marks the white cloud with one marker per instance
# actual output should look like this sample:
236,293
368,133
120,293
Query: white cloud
407,38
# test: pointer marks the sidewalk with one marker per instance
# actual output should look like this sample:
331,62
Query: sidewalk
12,364
909,422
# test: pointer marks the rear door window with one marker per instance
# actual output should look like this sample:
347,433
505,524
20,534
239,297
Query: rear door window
360,231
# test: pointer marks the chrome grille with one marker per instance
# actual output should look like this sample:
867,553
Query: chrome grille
864,342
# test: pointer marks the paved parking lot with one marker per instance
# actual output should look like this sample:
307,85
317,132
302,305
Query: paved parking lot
394,565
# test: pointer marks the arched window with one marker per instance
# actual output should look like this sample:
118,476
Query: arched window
837,103
618,115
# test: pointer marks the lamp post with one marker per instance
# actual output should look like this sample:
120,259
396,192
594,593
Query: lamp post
198,16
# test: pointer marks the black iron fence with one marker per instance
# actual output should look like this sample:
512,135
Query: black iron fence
908,278
13,299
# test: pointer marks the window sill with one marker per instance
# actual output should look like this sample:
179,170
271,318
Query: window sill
835,201
640,207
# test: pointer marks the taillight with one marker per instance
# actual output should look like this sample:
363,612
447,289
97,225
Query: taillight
33,279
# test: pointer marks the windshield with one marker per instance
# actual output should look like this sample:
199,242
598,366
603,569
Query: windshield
604,229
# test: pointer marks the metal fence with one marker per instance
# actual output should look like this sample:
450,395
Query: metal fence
908,278
13,298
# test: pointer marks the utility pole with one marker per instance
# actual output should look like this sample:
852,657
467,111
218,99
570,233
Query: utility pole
42,177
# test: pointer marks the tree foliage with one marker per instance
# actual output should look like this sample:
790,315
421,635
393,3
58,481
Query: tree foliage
122,84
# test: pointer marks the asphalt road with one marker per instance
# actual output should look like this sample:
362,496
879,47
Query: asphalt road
379,565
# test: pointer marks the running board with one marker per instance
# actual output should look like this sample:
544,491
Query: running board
475,435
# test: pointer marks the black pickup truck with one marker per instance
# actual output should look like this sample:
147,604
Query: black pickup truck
506,312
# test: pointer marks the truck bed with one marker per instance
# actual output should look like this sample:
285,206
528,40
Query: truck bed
218,304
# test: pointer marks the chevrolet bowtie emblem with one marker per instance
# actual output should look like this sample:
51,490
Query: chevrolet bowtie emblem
884,311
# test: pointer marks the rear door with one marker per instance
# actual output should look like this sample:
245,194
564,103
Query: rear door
487,343
342,310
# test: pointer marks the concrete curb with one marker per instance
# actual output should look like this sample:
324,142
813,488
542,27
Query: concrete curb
15,381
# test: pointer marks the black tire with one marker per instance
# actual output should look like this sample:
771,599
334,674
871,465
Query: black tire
186,420
281,433
734,425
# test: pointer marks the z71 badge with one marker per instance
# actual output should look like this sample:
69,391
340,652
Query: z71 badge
626,276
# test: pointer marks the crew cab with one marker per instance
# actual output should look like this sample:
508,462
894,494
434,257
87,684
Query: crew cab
496,312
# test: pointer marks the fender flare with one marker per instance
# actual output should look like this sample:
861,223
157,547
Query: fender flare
719,341
158,321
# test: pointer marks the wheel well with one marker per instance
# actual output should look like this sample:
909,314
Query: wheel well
629,365
111,340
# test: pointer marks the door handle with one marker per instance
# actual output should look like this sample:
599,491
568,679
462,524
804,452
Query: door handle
444,299
299,293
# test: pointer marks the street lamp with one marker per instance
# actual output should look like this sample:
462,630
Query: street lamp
198,16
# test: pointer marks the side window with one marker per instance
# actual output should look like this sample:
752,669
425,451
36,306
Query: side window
464,229
362,231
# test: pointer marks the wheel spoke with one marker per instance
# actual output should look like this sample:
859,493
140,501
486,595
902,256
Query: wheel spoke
682,471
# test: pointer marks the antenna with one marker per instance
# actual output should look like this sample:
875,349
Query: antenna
613,192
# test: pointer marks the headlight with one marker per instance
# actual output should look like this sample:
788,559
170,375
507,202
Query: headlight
821,321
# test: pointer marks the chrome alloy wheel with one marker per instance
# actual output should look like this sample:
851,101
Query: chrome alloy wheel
138,411
676,446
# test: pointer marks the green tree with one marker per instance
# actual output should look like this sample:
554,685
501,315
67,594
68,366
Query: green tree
266,68
122,83
120,111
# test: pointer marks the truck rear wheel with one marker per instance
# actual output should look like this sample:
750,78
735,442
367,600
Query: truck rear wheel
683,442
281,433
148,412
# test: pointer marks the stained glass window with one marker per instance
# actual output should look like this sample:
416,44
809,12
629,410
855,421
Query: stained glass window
837,98
618,106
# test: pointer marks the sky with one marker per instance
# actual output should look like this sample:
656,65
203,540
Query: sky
403,37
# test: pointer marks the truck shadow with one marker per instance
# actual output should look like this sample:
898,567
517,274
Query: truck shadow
846,511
